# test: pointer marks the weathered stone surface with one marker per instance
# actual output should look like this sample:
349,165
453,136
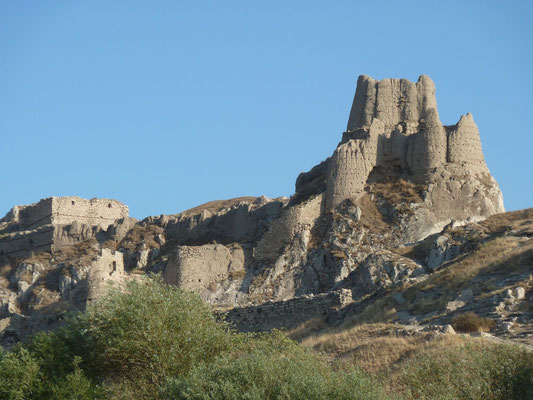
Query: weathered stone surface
281,232
361,221
464,145
66,210
287,314
54,222
350,166
392,101
395,122
200,267
380,270
106,271
241,221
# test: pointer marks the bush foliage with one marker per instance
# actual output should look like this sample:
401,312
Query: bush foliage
471,322
157,342
497,372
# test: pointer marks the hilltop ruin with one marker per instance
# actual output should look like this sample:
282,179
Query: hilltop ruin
401,196
55,222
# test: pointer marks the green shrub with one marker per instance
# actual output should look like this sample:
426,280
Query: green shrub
495,372
274,368
471,322
151,331
19,375
76,386
132,340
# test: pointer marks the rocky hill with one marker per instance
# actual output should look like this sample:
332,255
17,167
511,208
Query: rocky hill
403,223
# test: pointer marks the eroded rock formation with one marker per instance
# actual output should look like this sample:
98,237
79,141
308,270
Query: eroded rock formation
373,217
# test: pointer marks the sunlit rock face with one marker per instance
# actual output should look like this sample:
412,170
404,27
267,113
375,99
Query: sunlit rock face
394,123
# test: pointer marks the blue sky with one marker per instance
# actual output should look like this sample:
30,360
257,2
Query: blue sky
165,105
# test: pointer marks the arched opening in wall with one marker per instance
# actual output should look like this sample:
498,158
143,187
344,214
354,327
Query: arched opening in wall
113,267
72,202
109,205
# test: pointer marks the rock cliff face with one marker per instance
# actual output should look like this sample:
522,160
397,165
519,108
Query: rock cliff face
371,218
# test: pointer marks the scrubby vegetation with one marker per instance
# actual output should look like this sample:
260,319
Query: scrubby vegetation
471,322
158,342
471,372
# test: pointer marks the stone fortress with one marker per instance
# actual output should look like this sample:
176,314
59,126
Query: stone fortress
54,222
395,121
314,255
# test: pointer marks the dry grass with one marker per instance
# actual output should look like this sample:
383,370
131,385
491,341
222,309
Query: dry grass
371,217
83,253
237,274
140,234
217,205
397,191
471,322
339,254
378,347
503,254
307,329
522,220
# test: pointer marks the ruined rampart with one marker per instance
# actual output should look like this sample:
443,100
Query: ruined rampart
394,121
198,267
66,210
287,314
54,222
105,272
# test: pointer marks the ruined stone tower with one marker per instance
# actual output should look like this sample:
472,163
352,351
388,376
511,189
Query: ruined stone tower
55,222
396,122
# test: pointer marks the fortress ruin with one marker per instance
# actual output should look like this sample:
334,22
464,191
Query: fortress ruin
396,122
54,222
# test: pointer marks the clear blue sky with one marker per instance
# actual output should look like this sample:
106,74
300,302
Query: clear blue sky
165,105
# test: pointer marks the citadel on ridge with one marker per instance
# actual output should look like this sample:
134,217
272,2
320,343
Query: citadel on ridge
401,197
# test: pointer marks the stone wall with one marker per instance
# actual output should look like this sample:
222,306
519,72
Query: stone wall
464,145
55,222
35,215
287,314
65,210
21,244
283,230
198,267
395,121
350,166
105,272
241,222
427,149
392,101
95,212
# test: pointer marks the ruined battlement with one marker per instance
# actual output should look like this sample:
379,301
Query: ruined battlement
287,314
55,221
66,210
397,121
107,270
392,101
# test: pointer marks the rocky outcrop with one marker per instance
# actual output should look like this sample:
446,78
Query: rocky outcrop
224,222
382,213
